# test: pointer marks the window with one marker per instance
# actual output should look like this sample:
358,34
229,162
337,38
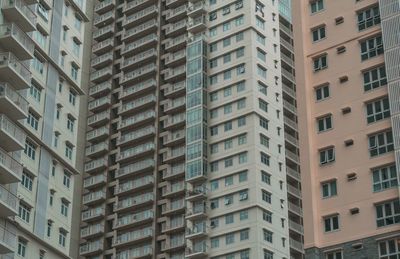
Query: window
265,158
215,242
389,249
65,31
242,177
378,110
260,39
30,150
368,18
388,213
51,197
75,47
326,156
267,216
67,179
214,204
62,237
226,42
228,199
214,131
72,97
322,92
64,208
49,225
213,97
70,123
240,87
268,255
263,105
74,71
27,181
35,92
324,123
226,26
267,236
266,196
241,104
239,36
239,52
329,189
239,21
212,16
78,23
228,162
243,195
229,218
264,123
320,63
214,185
265,177
56,137
262,88
334,255
228,180
264,140
213,47
68,150
22,244
214,166
58,111
228,126
260,23
227,108
244,214
241,121
38,65
374,78
226,10
262,72
244,234
331,223
242,158
24,212
229,239
214,148
384,178
242,140
318,33
43,12
213,63
316,6
33,120
371,48
380,143
261,55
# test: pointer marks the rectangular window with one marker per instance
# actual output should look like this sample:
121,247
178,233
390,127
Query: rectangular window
72,97
244,235
264,140
374,78
380,143
67,179
261,55
64,208
241,121
384,178
228,126
268,255
242,177
267,216
368,18
241,104
70,123
316,6
242,158
324,123
27,181
326,156
226,42
239,21
261,39
388,213
213,63
215,242
378,110
318,33
62,238
226,26
244,214
228,162
49,225
214,204
228,199
74,72
30,150
214,185
227,58
242,140
262,88
320,63
24,212
263,105
227,108
371,48
33,120
38,65
264,158
68,151
76,47
322,92
229,218
331,223
243,195
22,244
240,87
214,131
230,239
264,123
228,180
268,236
35,92
265,177
329,189
239,36
334,255
262,72
260,23
266,196
389,249
239,52
214,148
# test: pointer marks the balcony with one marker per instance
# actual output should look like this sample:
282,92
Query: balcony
96,165
174,154
135,152
291,123
104,6
197,24
175,43
175,121
12,38
134,202
174,90
137,135
92,231
99,104
102,61
296,245
175,105
100,89
173,226
196,9
97,134
140,30
199,193
293,173
139,45
197,251
8,203
94,181
133,237
134,6
198,231
174,138
8,238
101,75
174,3
134,185
98,119
103,46
294,191
104,19
178,13
173,172
137,120
139,59
289,107
131,220
135,168
138,74
18,11
292,140
136,105
139,17
175,29
295,209
292,156
289,91
12,137
286,45
16,73
91,248
173,245
196,177
174,74
10,169
176,207
93,214
176,58
94,197
136,253
172,190
296,227
289,61
104,33
197,212
12,102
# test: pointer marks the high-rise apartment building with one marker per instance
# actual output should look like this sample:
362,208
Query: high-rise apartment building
347,64
192,127
41,80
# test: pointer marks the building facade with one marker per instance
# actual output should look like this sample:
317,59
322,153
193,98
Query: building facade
192,127
347,55
41,74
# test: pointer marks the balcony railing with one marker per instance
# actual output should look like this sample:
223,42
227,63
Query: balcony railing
10,60
143,42
137,118
133,105
139,72
137,134
131,152
134,235
93,213
8,237
102,87
8,92
91,247
103,131
139,57
92,230
95,164
176,87
8,199
11,165
102,45
135,167
138,15
137,252
12,130
134,218
132,201
174,170
11,29
23,8
93,180
135,184
140,28
94,196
